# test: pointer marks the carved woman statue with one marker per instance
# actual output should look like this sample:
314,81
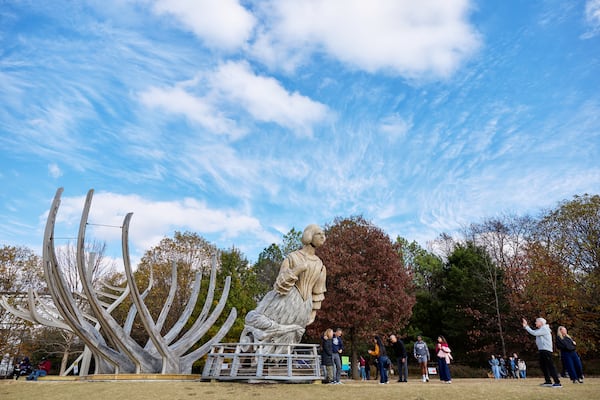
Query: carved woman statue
283,314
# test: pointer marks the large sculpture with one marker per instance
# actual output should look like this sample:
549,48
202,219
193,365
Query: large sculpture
283,314
110,343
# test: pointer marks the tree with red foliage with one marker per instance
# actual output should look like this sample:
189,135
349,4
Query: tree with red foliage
369,290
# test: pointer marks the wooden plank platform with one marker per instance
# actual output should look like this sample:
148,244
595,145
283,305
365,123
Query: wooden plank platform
122,377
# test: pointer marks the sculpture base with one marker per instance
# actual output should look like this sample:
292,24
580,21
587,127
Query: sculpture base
290,362
122,377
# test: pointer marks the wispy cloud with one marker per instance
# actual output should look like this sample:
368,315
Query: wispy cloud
241,119
592,17
395,127
54,170
176,100
233,86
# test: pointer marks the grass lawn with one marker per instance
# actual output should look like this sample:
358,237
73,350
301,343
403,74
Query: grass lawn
462,389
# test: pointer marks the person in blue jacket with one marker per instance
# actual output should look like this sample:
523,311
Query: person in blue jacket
338,349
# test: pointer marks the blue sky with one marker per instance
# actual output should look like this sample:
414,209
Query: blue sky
239,120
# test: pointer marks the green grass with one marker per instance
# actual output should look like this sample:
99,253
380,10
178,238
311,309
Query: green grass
462,389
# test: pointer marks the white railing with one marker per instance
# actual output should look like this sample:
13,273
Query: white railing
256,361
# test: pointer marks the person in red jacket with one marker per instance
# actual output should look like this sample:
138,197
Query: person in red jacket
43,369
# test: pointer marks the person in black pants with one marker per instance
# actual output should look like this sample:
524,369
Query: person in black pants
401,360
543,340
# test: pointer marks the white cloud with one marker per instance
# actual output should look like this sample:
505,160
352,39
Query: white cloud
592,16
154,220
235,86
431,37
266,99
197,109
220,24
54,170
395,127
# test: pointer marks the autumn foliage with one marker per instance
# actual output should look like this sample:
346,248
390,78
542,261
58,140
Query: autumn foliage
369,290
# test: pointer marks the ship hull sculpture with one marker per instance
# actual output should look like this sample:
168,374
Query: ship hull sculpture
110,343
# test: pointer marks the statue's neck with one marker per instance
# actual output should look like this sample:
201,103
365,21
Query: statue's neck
309,250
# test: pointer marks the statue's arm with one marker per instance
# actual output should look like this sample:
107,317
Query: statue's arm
318,294
286,278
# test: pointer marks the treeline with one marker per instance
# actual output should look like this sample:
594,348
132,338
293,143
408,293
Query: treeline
473,288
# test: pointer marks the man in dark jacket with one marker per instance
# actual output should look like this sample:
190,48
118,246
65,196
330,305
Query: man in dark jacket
401,360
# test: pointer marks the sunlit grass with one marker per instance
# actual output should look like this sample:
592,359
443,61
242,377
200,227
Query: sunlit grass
462,389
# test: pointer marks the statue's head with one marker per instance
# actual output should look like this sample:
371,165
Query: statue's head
308,236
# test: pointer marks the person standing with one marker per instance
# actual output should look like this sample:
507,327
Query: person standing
382,359
543,340
338,349
401,359
503,373
443,351
512,367
362,365
522,368
495,364
421,353
367,368
568,355
515,358
327,355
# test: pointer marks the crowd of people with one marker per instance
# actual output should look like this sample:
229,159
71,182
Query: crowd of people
332,347
512,367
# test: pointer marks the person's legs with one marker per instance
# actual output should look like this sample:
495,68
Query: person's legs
329,369
544,367
337,367
567,359
424,371
578,366
548,368
552,370
383,370
399,366
404,373
442,369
